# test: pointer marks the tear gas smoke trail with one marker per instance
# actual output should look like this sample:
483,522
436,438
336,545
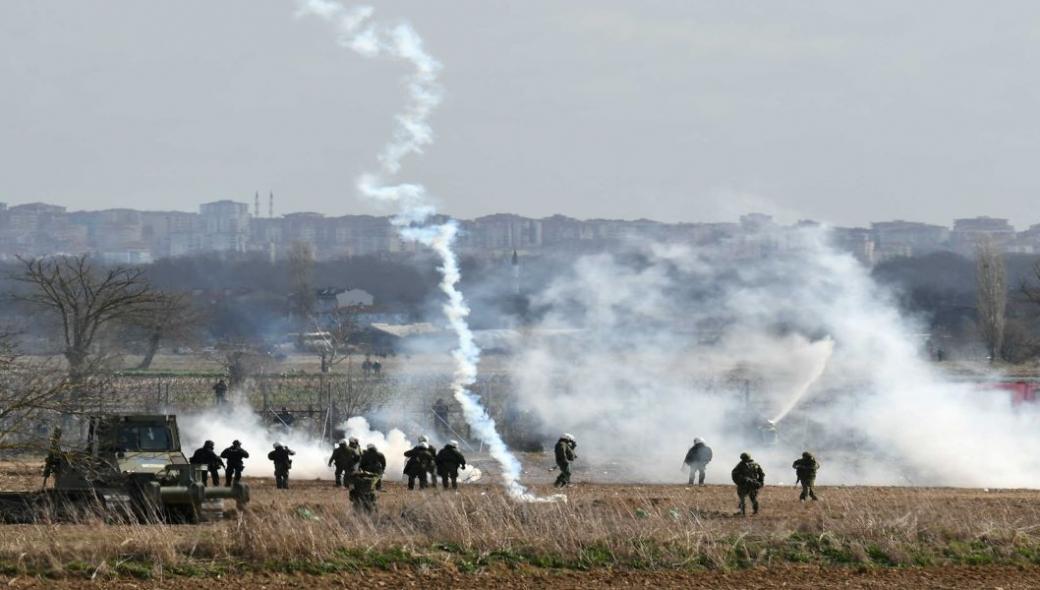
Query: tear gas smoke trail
822,351
356,31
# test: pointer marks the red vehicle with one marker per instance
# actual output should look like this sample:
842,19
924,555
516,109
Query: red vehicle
1021,391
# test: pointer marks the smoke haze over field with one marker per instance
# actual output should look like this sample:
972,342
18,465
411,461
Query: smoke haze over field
667,338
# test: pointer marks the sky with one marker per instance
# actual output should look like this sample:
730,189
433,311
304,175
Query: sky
679,110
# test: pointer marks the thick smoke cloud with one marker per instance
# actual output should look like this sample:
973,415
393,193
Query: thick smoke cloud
240,422
673,342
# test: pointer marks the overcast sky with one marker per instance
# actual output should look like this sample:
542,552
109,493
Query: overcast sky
676,110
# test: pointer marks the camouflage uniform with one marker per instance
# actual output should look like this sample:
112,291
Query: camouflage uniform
420,462
52,464
372,461
564,456
234,456
806,468
346,458
449,461
749,478
362,490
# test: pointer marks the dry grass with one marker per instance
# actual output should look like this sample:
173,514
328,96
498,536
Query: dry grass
312,529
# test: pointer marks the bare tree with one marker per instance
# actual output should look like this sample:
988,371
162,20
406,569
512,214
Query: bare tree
241,359
84,299
358,396
169,317
28,391
335,343
301,267
1030,290
991,296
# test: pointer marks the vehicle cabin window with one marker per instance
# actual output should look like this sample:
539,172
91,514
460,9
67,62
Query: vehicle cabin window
144,438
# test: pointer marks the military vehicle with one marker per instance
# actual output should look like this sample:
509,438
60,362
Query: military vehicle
131,469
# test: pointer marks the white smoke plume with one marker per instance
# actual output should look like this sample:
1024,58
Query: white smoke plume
357,31
239,422
393,444
672,342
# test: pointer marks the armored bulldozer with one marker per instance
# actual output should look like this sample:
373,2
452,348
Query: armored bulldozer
131,469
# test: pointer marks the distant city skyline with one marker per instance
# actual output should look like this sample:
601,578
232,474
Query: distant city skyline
671,110
130,236
264,209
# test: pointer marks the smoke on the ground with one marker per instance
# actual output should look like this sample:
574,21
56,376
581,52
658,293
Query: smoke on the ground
392,444
673,342
238,421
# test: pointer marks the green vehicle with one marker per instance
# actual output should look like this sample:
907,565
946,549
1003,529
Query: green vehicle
131,469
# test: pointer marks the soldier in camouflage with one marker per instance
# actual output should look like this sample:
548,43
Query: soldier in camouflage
564,457
806,468
372,461
363,485
749,478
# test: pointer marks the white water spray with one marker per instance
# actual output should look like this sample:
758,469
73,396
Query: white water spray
820,352
356,31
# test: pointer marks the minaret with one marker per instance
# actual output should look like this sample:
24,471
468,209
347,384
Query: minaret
270,204
256,204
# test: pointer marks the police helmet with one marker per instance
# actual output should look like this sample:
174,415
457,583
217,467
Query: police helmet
424,439
353,439
698,441
566,436
370,446
745,457
453,443
277,445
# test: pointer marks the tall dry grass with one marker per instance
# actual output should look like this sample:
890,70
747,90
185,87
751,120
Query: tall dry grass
612,525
